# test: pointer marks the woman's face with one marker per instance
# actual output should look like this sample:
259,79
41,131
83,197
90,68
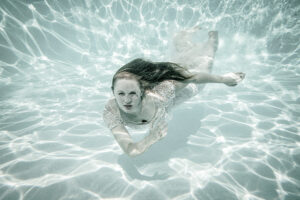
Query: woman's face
128,95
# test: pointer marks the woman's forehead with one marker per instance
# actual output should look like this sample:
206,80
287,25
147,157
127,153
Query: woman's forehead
127,84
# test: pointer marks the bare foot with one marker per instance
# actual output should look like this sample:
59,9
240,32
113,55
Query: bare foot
232,79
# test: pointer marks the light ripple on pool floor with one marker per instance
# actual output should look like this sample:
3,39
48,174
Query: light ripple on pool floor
57,60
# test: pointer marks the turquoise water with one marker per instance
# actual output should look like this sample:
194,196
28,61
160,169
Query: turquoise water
57,59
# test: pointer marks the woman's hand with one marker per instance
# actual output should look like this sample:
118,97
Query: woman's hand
232,79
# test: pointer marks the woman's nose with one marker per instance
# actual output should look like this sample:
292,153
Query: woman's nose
127,99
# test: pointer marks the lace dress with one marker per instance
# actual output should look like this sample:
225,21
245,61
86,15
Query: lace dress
165,99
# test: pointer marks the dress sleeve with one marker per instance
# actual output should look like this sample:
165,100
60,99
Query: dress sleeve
166,92
111,115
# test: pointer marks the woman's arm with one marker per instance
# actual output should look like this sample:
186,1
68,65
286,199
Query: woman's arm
126,143
136,148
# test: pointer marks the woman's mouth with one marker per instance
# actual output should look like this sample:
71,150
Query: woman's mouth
128,106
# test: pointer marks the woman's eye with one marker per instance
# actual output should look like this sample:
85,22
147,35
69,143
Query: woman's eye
132,93
121,94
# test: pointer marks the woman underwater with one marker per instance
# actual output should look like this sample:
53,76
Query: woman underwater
144,91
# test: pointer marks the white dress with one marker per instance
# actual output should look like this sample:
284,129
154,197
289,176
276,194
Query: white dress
195,56
165,93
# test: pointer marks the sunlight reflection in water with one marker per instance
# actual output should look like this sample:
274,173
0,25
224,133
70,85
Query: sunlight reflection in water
56,64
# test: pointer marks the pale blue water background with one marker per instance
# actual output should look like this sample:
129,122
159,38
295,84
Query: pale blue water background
57,59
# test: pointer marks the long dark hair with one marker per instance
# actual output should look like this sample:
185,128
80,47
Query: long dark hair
149,74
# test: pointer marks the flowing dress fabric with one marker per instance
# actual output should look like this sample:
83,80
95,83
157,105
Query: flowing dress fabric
195,56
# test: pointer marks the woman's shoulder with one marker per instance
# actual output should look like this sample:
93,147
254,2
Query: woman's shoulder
111,104
111,115
111,109
164,92
165,88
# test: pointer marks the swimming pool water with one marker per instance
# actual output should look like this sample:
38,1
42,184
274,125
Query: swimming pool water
57,59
